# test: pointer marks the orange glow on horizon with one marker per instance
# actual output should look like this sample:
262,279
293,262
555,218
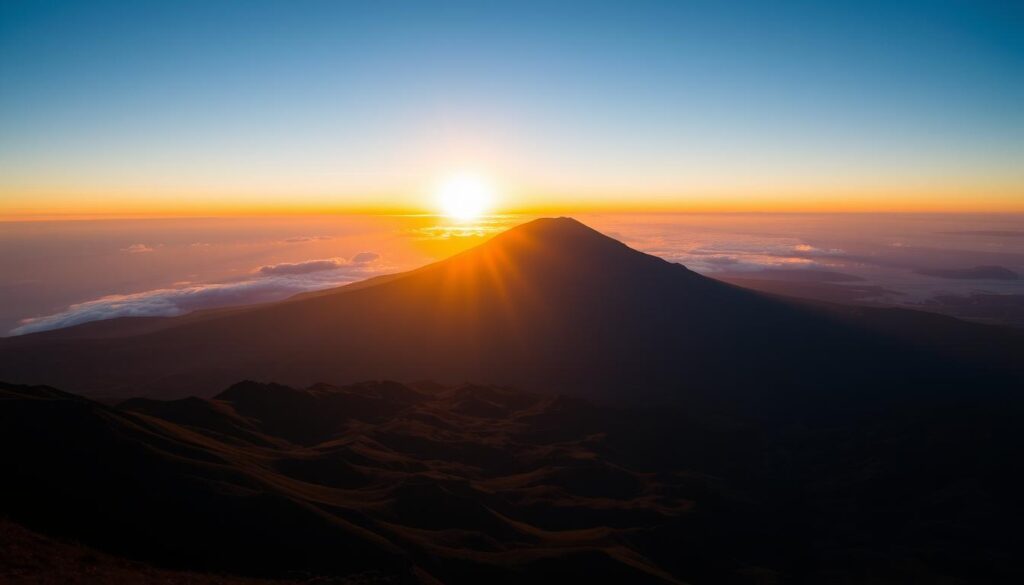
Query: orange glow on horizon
948,198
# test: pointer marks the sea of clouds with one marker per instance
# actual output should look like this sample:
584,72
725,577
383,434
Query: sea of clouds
266,283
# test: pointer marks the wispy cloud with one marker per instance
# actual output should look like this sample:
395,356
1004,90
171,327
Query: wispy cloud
307,266
365,258
268,283
301,239
302,267
138,249
711,257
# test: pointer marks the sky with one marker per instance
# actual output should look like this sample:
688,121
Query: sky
200,108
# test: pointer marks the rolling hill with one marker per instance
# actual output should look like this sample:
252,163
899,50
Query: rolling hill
381,482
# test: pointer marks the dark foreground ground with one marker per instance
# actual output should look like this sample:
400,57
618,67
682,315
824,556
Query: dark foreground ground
388,483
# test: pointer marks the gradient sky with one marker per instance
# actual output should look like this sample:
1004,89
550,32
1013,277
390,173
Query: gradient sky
200,107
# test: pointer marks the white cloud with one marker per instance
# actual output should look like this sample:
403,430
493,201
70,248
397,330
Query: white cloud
268,283
300,239
307,266
302,267
744,254
809,250
138,249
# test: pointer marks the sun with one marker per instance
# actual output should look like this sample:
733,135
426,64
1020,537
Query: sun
465,196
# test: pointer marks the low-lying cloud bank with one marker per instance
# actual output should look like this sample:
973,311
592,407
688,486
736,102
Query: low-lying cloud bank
305,267
138,249
302,267
753,256
268,283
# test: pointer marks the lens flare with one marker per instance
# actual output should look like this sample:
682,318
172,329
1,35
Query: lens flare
465,197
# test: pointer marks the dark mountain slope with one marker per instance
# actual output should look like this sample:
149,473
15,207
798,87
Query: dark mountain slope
475,484
29,558
152,490
401,489
549,305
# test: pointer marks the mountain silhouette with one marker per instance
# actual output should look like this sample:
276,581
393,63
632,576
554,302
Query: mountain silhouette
550,305
595,413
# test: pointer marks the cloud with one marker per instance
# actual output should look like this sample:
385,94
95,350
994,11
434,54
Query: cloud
365,258
138,249
809,250
744,253
268,283
718,258
300,239
308,266
747,262
302,267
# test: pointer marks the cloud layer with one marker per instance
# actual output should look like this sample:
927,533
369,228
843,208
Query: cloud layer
752,256
138,249
302,267
268,283
307,266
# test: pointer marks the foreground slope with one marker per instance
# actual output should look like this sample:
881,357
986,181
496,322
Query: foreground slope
463,485
550,305
30,558
380,482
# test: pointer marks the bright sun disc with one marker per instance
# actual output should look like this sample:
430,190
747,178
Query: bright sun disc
465,197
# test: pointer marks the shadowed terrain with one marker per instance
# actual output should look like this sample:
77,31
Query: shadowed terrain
381,482
29,558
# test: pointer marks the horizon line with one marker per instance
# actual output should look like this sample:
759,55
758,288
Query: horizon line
514,212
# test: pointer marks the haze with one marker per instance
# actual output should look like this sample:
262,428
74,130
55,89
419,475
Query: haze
61,273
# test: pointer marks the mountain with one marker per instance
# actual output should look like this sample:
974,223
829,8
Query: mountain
549,305
381,482
626,420
391,483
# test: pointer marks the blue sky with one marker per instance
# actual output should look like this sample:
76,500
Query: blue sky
347,102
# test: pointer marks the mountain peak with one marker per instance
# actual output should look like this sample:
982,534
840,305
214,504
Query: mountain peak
556,226
557,235
562,222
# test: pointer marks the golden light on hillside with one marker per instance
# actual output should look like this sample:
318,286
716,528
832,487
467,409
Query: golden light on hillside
465,196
